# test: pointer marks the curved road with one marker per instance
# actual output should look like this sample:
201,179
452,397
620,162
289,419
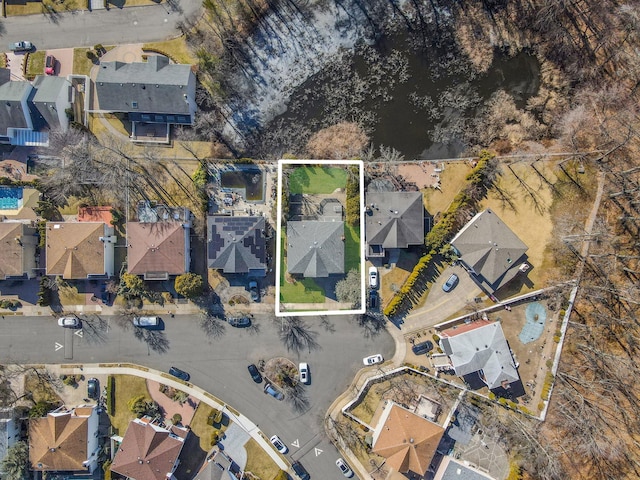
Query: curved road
109,27
220,367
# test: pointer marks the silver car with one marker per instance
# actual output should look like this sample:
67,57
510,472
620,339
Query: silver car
69,322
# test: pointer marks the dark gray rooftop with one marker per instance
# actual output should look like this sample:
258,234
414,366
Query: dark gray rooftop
48,88
394,219
315,249
456,470
11,111
236,244
43,100
155,86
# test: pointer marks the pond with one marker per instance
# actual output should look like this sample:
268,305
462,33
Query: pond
251,180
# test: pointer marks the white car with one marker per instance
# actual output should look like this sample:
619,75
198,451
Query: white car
373,277
373,359
344,468
69,322
303,368
279,444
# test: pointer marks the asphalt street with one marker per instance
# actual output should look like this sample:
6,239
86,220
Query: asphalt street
218,366
108,27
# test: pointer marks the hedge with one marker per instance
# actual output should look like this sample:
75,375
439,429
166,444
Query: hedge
111,398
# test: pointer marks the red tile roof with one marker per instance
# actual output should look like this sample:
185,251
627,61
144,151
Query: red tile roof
95,214
465,327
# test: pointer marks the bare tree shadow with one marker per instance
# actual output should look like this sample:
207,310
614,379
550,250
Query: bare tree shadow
155,340
94,329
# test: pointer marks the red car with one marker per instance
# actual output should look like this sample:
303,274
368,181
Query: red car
50,65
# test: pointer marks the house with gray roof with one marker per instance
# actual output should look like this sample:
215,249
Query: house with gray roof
490,250
393,220
315,248
155,92
29,110
479,350
452,469
237,245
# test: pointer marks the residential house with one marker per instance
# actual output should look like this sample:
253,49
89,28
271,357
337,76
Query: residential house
155,92
18,242
452,469
65,440
237,245
9,432
80,250
19,203
30,110
218,466
479,351
407,441
393,220
159,245
490,251
315,249
149,451
96,214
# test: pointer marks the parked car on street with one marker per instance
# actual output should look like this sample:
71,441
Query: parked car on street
451,283
373,277
300,471
50,65
279,444
372,359
255,373
69,322
181,374
239,322
93,388
344,468
423,347
253,290
303,368
271,390
23,46
147,322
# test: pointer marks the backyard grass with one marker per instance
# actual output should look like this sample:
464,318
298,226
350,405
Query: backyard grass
452,180
351,248
259,462
302,291
314,180
126,387
176,49
35,65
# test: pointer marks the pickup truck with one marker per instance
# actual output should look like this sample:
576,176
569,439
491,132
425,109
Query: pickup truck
21,46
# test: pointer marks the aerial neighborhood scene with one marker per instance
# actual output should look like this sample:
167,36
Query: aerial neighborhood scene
309,239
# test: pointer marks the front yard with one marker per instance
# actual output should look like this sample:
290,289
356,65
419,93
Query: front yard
125,388
259,462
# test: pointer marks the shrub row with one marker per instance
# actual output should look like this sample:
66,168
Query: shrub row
546,387
352,213
397,301
111,398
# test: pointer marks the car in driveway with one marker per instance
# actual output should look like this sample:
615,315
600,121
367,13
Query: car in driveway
300,471
93,388
279,444
451,283
344,468
181,374
50,65
271,390
69,322
373,277
423,347
373,299
253,290
372,359
303,369
239,322
255,373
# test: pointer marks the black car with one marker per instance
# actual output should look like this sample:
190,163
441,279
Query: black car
181,374
240,322
255,374
424,347
300,471
93,388
373,299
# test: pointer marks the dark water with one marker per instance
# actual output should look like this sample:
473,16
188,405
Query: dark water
249,179
422,103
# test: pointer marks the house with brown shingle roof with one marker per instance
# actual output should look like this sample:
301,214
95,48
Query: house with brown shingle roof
408,441
65,440
148,451
18,245
79,250
159,245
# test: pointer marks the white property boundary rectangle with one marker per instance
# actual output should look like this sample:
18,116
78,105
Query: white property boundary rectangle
308,313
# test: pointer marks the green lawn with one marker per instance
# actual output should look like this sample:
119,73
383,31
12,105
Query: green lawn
303,291
351,248
317,179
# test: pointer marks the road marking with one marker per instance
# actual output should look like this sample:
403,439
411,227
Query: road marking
58,346
318,451
296,443
78,333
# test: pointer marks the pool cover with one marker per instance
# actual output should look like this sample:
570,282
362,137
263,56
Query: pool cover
536,316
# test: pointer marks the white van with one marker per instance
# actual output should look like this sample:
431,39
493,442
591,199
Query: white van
146,321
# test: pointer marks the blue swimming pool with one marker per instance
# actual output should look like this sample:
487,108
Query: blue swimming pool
10,198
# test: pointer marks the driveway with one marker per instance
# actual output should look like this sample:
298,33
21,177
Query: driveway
64,61
14,63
